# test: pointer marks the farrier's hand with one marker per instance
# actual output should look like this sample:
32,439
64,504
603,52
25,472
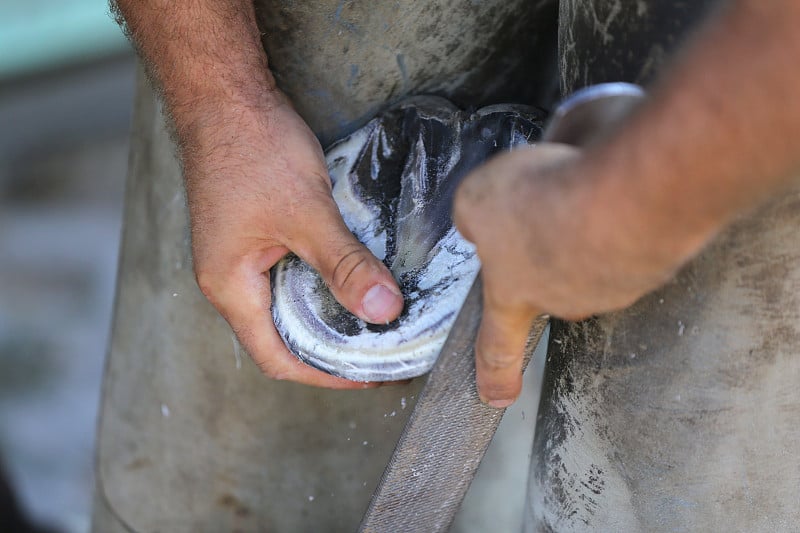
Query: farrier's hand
256,180
546,246
594,234
256,191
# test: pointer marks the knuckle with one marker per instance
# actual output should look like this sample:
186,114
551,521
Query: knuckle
461,209
494,361
500,392
206,282
351,258
270,371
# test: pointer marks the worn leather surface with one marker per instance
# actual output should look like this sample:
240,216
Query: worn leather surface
344,60
622,40
681,413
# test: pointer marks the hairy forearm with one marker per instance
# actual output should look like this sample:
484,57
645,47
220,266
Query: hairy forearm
206,58
719,134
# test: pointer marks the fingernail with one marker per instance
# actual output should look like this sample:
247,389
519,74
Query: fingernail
378,303
499,404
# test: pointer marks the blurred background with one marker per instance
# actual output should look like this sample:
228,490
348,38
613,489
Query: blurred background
66,90
67,79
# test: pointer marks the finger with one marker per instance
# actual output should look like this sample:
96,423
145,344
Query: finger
469,194
245,302
357,279
498,186
499,352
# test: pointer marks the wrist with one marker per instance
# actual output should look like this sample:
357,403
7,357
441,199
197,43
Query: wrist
631,215
223,120
220,104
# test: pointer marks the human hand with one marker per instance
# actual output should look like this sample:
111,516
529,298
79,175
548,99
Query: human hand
550,241
256,191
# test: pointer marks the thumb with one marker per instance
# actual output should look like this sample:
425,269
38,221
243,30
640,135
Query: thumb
357,279
499,351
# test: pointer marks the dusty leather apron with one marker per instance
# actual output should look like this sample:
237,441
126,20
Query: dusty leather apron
680,413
